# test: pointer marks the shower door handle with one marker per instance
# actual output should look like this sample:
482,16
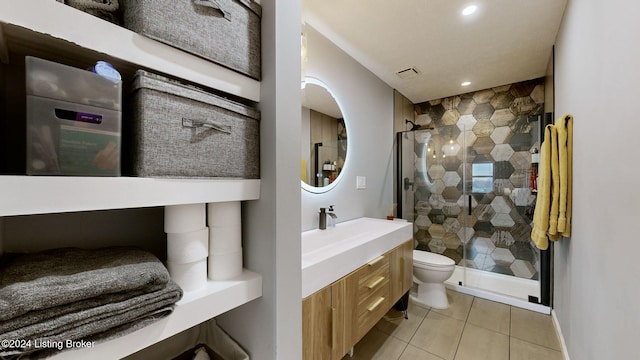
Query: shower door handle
407,184
469,211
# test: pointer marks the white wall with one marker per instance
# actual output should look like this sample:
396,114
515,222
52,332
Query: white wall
596,288
271,327
367,105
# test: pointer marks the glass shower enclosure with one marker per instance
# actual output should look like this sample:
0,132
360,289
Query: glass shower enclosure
471,198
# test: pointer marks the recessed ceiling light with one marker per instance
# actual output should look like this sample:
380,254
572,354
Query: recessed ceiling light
466,83
469,10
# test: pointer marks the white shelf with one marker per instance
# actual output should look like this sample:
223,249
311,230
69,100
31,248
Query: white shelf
195,307
22,195
59,21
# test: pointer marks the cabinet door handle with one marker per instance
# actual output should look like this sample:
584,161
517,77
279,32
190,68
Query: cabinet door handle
375,304
376,283
376,260
334,320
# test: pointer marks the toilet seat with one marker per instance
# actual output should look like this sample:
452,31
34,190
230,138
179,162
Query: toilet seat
426,259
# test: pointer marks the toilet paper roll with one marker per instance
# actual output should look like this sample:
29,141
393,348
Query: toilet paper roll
184,218
225,239
224,213
188,247
224,266
189,276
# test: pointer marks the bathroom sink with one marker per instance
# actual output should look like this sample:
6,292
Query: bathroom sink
328,255
317,240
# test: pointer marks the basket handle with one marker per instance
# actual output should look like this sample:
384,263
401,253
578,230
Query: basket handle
194,123
214,5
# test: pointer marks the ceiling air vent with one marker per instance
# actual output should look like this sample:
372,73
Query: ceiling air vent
408,73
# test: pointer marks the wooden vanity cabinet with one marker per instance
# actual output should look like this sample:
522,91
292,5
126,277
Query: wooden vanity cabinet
323,331
401,269
336,317
316,315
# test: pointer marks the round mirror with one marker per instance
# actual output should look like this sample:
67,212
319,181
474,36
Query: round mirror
323,139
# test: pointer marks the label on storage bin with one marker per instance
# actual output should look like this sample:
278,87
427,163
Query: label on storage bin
78,116
89,152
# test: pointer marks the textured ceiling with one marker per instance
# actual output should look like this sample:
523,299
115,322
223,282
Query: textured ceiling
503,42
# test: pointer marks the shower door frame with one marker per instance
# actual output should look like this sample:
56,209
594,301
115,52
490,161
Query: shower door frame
544,276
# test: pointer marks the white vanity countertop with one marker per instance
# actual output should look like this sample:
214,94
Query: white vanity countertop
328,255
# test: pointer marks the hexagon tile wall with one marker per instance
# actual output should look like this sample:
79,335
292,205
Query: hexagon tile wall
492,126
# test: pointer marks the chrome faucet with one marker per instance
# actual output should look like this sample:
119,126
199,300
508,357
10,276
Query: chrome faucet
322,224
332,215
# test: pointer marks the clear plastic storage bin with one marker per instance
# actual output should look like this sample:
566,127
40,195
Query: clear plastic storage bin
73,121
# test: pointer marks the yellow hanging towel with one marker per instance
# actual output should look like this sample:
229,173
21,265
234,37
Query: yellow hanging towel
543,202
552,232
552,216
565,154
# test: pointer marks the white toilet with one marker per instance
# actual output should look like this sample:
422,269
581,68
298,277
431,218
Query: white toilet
430,271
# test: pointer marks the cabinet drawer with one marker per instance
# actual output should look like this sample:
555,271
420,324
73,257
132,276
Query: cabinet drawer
375,264
372,309
368,274
370,281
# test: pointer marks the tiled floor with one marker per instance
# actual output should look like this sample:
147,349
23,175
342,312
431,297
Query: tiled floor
472,328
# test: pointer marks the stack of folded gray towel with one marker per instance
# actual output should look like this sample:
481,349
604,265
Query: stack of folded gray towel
71,294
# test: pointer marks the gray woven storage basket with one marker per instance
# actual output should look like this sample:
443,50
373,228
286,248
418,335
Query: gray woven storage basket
174,130
224,31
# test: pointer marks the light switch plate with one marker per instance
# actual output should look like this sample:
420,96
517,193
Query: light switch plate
361,182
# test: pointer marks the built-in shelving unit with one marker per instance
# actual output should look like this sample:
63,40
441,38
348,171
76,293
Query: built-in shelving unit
47,27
